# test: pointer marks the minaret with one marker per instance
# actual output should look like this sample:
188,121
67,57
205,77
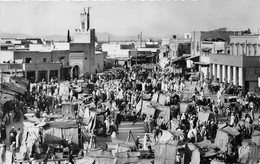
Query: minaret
84,19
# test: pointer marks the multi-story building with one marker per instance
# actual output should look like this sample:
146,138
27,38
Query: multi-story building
222,34
242,65
34,59
176,48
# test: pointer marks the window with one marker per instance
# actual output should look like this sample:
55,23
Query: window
44,60
83,25
28,60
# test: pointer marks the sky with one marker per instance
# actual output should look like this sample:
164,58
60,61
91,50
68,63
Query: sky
128,18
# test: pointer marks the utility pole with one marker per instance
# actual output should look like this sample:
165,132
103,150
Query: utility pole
1,86
141,39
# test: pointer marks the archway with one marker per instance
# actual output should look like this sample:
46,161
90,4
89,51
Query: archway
75,72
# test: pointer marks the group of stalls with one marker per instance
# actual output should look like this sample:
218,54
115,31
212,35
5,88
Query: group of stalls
12,88
39,135
114,73
69,128
159,105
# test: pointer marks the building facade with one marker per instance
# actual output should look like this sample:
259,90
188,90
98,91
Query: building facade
82,55
118,50
175,49
241,66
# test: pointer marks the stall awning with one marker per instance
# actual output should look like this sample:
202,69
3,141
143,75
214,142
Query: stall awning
193,57
206,49
179,58
150,56
201,63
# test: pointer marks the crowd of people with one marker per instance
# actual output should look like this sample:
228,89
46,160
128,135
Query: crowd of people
116,100
124,94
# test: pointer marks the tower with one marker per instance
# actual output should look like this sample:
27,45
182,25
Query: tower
84,20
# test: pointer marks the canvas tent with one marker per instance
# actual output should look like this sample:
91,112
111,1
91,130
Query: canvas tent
30,137
68,109
223,137
147,108
256,137
162,111
14,88
61,130
204,116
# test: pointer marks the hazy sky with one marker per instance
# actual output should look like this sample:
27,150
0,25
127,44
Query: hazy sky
130,17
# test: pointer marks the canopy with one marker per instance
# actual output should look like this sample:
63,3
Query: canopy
201,63
231,131
206,49
3,90
179,58
63,124
193,57
5,98
14,88
147,108
205,144
203,116
21,81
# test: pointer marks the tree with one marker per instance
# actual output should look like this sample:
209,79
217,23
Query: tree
68,37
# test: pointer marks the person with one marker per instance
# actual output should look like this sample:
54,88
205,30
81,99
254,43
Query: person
119,118
232,119
134,115
13,131
137,142
113,135
44,115
71,158
151,124
18,139
3,131
70,146
12,148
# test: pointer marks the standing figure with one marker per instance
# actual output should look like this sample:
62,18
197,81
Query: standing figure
3,131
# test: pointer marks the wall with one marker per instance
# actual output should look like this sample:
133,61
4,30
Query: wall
57,54
61,46
225,59
99,64
205,57
248,45
6,56
37,57
82,36
251,61
114,51
195,43
41,66
77,58
28,67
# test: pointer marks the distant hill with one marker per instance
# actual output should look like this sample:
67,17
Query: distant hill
15,35
102,36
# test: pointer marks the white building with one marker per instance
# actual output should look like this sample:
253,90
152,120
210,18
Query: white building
115,50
